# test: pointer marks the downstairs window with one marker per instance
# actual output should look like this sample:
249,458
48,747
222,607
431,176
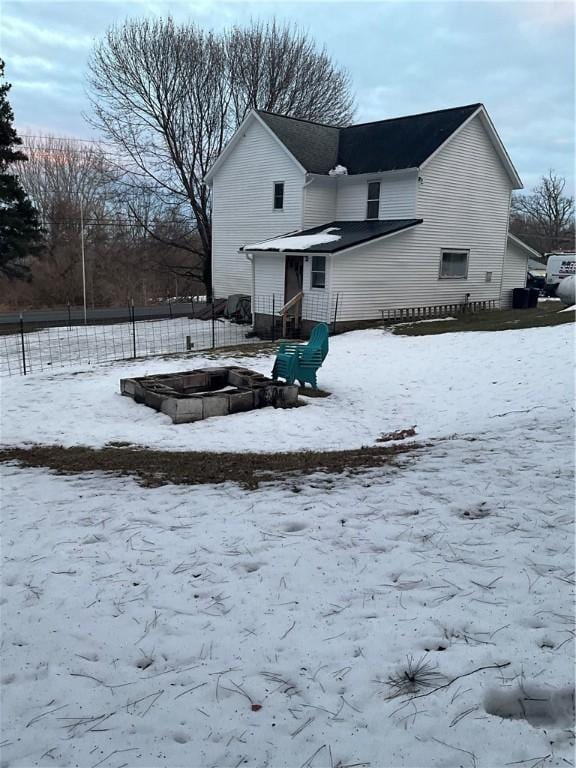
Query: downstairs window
318,272
454,265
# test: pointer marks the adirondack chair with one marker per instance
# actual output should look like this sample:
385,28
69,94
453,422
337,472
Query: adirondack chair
300,362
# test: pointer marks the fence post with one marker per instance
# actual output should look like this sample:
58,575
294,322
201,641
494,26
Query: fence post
22,342
170,308
133,314
69,317
273,317
335,314
213,325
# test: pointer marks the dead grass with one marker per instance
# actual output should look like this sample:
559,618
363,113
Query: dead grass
546,314
155,468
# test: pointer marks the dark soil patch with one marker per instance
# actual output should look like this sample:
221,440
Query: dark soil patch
399,434
155,468
309,392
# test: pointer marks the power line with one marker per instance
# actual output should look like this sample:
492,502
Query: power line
66,138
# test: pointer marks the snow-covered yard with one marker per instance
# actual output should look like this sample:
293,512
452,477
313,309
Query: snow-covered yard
453,383
216,626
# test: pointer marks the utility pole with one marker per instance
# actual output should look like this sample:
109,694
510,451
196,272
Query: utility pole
83,257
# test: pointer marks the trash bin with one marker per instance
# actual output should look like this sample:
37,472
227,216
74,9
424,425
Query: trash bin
520,298
533,294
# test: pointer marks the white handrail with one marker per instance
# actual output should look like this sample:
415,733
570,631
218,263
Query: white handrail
293,301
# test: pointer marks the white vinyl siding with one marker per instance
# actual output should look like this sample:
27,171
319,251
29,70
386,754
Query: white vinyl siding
464,199
269,271
319,202
515,273
318,302
242,205
397,196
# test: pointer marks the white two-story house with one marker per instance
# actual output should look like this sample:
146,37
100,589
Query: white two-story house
410,212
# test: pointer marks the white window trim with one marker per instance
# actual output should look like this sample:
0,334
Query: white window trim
318,287
274,209
465,251
373,199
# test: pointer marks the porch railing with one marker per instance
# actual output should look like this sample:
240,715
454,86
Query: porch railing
295,301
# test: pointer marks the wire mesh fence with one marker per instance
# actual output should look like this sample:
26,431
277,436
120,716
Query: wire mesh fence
31,351
315,307
26,348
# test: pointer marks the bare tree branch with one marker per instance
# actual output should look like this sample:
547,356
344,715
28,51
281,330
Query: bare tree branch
169,96
545,218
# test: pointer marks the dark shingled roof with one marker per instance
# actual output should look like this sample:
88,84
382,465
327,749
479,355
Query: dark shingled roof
315,146
351,233
387,145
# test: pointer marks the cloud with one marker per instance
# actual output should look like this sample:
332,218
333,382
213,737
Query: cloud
15,29
30,63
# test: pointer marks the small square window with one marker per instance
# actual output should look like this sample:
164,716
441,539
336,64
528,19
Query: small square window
488,277
278,195
318,272
373,203
454,265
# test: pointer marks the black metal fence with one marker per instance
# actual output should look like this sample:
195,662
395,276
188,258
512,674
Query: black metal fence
27,347
317,307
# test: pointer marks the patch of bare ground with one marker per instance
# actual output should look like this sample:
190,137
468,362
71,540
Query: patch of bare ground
155,468
547,313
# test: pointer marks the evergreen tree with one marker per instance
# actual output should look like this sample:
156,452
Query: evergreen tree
20,231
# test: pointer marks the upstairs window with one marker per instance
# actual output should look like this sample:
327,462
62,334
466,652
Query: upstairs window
373,204
278,195
454,265
318,272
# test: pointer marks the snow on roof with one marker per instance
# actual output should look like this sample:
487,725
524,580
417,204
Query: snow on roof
295,242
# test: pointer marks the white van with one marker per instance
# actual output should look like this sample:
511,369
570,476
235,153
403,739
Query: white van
558,266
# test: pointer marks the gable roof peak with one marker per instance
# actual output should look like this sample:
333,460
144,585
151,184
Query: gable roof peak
418,114
298,119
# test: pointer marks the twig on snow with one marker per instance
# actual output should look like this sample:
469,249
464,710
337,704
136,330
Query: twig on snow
190,690
115,752
458,749
466,674
308,763
288,630
38,717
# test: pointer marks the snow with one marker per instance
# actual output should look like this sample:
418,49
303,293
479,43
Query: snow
296,242
140,625
378,382
569,309
338,170
67,347
217,626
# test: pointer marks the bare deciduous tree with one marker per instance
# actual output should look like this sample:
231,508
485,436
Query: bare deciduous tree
124,257
545,218
170,96
280,69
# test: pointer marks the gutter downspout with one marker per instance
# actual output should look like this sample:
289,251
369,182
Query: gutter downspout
506,252
250,257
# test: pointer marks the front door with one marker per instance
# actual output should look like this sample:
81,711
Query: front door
294,276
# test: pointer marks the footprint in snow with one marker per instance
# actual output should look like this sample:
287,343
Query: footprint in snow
538,705
294,526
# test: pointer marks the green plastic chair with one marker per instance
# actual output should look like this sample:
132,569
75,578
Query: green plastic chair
300,362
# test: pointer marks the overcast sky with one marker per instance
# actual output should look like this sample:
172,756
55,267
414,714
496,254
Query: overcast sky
404,57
